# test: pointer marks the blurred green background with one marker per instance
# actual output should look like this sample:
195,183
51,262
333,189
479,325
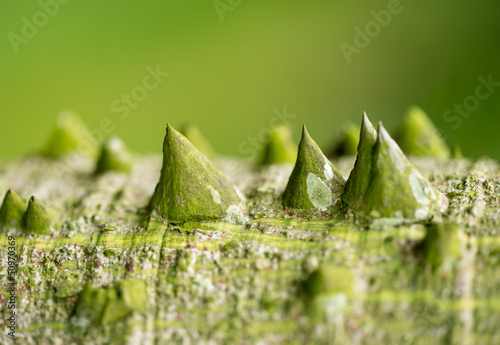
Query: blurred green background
229,71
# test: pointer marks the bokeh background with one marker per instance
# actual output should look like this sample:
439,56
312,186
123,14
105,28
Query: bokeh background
228,71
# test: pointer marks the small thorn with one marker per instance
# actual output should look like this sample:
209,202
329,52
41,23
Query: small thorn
314,183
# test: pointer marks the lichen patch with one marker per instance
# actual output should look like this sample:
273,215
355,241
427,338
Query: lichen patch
421,190
422,213
215,195
235,215
319,193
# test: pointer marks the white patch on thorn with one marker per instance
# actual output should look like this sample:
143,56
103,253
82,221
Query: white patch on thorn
420,188
319,193
328,171
215,195
115,144
421,213
240,194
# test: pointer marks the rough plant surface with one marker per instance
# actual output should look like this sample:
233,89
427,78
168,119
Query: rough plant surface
315,183
110,275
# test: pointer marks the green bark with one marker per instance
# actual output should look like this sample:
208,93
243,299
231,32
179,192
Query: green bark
282,277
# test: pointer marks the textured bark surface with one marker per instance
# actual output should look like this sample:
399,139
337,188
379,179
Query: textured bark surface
222,283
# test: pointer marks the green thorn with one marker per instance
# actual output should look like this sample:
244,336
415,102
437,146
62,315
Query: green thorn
115,308
126,296
417,136
328,281
133,292
279,147
69,136
191,188
441,245
12,210
314,182
326,291
37,219
114,157
456,153
396,187
347,142
106,306
194,135
91,303
359,179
